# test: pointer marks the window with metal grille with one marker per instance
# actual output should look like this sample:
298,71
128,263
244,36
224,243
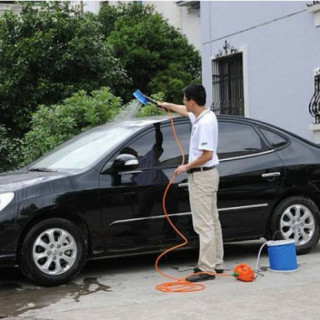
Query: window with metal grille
227,80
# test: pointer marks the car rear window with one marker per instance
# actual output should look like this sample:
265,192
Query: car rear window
237,139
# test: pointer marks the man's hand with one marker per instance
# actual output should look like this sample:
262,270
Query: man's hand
163,105
181,169
178,108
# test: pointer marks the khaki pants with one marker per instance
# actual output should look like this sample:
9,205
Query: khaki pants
203,187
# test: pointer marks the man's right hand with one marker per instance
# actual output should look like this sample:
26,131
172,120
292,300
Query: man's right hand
164,105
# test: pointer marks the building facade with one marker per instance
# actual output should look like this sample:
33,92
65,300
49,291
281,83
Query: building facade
262,59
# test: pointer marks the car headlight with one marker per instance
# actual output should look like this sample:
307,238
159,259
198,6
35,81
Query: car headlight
5,199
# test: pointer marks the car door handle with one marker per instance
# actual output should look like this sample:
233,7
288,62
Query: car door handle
183,185
271,175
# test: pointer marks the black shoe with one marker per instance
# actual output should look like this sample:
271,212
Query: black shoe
201,277
219,270
196,270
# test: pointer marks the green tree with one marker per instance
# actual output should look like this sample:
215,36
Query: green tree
156,56
54,125
46,55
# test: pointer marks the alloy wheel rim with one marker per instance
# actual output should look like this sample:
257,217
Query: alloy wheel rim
297,223
54,251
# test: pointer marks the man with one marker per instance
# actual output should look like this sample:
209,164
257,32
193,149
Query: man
203,180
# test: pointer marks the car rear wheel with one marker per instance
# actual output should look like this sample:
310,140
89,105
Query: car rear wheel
53,252
296,218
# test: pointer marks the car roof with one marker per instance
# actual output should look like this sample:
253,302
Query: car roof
146,121
143,122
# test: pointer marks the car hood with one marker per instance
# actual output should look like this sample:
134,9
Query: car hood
21,179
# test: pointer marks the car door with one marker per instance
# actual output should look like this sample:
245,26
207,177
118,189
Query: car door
251,175
131,203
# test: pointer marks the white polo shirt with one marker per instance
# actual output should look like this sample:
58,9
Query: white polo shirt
204,136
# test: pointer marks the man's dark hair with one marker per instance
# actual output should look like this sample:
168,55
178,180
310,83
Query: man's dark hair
195,92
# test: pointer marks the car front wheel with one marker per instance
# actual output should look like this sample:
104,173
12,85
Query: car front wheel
296,218
53,252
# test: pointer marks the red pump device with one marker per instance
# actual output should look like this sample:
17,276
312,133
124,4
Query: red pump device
244,272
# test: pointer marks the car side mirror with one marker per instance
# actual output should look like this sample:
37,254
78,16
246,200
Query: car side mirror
125,162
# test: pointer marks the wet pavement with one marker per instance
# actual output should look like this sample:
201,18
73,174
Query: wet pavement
125,289
18,295
19,298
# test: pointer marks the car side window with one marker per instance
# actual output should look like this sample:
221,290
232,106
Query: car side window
237,139
158,148
275,140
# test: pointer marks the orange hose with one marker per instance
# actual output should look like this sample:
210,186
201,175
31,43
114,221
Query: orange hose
179,284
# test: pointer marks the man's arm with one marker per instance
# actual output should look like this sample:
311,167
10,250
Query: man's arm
178,108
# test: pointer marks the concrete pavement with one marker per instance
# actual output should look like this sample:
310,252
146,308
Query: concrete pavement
125,289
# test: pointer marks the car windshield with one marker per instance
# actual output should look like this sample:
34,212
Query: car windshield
85,150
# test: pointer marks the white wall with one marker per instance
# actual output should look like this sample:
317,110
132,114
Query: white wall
283,48
184,18
92,6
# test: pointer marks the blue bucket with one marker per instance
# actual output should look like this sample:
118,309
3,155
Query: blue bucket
282,256
140,97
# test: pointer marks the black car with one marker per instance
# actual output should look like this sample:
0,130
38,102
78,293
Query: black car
100,194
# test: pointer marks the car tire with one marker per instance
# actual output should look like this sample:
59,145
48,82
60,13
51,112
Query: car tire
297,218
53,252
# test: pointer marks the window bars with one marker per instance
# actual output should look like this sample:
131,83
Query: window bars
227,80
314,105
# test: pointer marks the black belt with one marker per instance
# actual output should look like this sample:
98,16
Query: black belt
200,169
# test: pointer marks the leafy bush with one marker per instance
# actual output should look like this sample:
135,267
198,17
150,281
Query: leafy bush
52,50
54,125
10,150
48,53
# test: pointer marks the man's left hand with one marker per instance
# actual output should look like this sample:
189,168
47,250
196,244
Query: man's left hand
181,169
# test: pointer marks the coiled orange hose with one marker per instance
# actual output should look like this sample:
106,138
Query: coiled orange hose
178,284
